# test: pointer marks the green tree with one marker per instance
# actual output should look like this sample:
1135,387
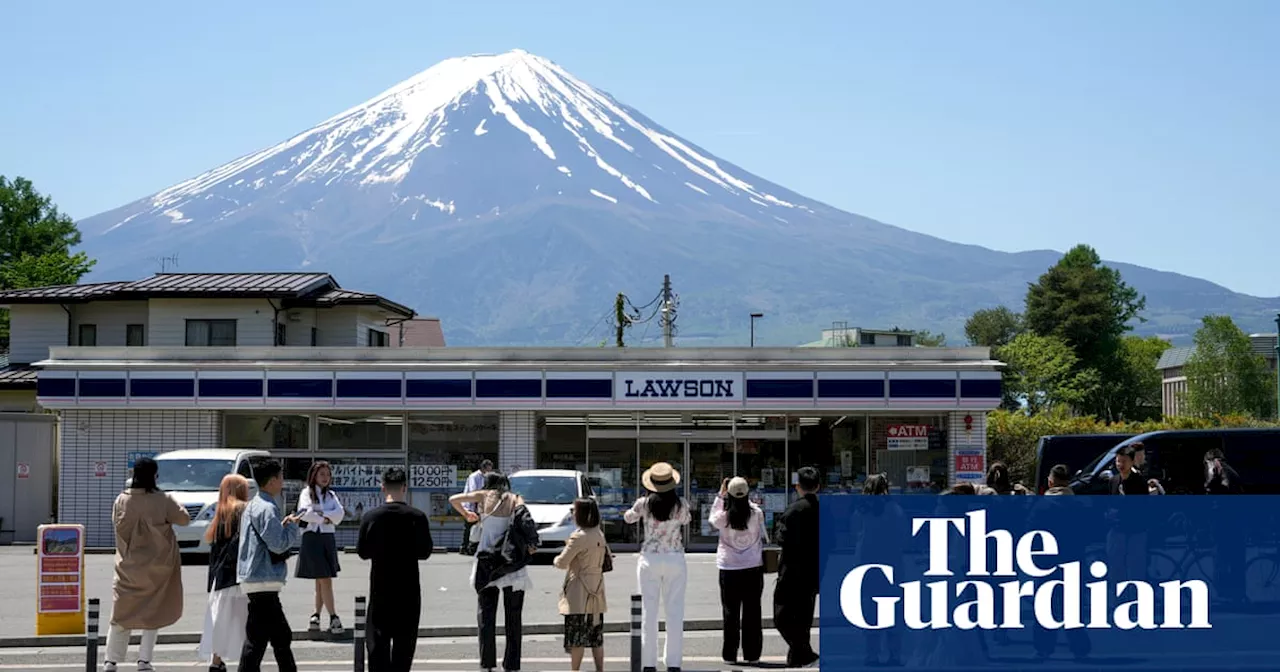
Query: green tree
35,242
992,327
1043,373
1135,391
930,340
1224,376
1088,306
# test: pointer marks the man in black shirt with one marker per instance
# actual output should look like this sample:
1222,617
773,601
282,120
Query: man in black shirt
796,591
1127,539
394,536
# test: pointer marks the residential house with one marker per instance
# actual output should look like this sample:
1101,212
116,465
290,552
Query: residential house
1173,379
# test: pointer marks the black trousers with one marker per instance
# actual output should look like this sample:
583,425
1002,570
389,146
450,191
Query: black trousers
267,625
740,591
512,613
793,617
392,638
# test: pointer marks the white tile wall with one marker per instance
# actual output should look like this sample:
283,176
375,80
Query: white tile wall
33,329
88,437
517,440
957,437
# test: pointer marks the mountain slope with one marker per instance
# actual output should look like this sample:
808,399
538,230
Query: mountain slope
514,200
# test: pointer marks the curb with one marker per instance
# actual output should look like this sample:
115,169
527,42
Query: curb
450,631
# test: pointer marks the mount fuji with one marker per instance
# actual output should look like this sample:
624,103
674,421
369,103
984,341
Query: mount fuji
514,201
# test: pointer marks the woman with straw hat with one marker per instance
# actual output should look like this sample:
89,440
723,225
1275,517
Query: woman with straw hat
661,570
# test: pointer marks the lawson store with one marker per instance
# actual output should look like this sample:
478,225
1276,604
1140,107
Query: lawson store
915,414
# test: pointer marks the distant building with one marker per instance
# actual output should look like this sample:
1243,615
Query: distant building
842,336
1173,379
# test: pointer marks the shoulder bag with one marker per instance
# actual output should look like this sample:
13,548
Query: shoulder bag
607,565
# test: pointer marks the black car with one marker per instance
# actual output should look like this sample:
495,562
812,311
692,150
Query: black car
1076,451
1176,459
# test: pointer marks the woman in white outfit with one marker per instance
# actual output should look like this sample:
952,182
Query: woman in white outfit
228,612
320,509
498,508
661,571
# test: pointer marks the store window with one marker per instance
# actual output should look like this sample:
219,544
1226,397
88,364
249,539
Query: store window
911,450
562,442
612,472
762,460
360,432
444,449
835,446
266,431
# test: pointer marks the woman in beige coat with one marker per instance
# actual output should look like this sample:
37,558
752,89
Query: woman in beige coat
582,597
147,590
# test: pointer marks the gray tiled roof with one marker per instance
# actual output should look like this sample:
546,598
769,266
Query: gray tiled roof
17,376
264,284
1174,357
295,289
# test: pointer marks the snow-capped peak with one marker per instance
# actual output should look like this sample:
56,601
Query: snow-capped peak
562,118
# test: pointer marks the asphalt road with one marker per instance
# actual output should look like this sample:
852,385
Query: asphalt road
544,652
448,599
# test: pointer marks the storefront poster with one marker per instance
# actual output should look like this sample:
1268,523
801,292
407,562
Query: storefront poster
766,477
133,456
970,464
907,437
60,580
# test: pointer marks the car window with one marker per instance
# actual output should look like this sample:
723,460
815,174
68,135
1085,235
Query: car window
177,474
1178,461
545,489
586,486
245,470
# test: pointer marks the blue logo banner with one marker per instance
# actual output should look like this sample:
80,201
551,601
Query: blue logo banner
1050,582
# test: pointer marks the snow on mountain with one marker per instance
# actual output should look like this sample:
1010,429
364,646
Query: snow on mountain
507,196
576,129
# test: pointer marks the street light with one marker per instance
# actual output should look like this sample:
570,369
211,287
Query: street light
758,315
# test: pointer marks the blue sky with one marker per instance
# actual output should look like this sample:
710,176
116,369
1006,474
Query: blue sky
1147,128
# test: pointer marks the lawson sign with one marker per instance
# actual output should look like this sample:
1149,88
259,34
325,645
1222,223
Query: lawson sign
665,388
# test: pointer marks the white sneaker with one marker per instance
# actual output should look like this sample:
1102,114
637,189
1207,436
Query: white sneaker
145,666
108,667
335,625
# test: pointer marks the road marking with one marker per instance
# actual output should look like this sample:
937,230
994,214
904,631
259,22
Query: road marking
319,664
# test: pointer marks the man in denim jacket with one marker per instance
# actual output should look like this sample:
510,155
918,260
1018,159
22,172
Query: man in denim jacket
264,533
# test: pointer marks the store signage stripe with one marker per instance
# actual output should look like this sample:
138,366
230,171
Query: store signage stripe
55,387
577,388
428,388
102,387
829,388
913,388
508,388
980,389
365,388
300,388
779,389
226,388
173,388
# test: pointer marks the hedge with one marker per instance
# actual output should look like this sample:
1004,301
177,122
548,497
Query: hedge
1012,435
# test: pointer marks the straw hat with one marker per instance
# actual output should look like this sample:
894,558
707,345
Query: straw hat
660,477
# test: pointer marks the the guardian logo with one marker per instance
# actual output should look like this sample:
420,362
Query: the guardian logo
1028,564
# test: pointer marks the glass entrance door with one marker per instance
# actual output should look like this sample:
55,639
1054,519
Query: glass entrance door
703,465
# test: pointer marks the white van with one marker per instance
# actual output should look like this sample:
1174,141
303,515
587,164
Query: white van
549,495
192,477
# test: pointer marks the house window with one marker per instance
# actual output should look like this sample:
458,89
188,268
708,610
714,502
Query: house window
88,334
378,339
904,340
281,333
867,339
211,333
135,335
315,337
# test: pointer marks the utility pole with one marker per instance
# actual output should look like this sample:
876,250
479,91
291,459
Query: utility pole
620,318
668,312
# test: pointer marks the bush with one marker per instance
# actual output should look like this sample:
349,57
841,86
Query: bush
1012,435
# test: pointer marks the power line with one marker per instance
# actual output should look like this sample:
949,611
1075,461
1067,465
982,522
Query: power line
595,326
